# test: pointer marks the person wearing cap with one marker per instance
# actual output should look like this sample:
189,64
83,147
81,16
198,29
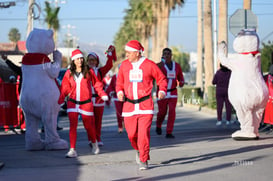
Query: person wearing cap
134,86
77,83
173,72
93,63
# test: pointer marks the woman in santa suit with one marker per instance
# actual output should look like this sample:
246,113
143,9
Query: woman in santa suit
268,114
134,85
93,62
76,84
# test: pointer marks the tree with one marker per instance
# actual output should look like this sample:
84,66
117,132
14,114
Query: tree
52,18
14,35
200,44
266,57
161,11
208,54
182,58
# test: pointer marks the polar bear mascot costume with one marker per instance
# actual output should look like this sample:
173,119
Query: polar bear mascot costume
39,94
247,89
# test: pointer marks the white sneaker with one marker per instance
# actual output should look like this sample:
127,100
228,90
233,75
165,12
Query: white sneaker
143,165
227,123
100,143
95,148
218,123
137,157
71,154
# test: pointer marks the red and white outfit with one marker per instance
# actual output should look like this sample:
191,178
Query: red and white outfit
174,76
135,81
98,103
111,91
78,90
268,114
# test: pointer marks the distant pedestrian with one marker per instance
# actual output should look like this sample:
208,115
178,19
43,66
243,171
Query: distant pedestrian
174,74
17,69
221,80
134,86
76,84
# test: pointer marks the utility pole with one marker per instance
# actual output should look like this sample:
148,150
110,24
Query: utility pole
30,16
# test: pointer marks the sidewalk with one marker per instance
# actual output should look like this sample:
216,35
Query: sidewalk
200,151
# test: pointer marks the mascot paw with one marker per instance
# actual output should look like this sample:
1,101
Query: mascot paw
35,146
57,56
57,145
241,136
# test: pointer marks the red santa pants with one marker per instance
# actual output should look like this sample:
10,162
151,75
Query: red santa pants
138,131
162,111
88,123
98,113
119,106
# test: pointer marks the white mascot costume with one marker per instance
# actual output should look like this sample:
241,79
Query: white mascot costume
247,89
40,93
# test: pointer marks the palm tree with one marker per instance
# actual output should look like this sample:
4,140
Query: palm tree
52,18
200,42
222,22
162,9
14,35
208,55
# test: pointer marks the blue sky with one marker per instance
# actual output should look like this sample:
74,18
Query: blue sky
97,21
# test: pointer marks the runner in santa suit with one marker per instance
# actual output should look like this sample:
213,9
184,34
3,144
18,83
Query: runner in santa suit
134,86
93,62
106,82
118,104
76,84
268,114
174,74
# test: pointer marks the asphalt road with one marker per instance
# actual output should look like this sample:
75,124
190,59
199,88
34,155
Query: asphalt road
200,151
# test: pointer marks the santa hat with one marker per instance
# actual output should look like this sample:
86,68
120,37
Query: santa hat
134,45
76,54
96,56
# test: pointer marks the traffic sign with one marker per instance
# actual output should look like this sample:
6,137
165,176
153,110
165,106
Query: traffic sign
242,19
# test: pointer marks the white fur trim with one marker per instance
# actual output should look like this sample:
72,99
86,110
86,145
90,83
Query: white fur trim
127,48
76,56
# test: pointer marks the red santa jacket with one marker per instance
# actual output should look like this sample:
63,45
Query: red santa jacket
136,81
100,73
78,90
175,77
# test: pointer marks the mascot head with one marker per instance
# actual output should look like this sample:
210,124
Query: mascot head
40,41
247,40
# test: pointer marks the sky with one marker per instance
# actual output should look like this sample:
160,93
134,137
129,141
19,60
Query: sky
97,21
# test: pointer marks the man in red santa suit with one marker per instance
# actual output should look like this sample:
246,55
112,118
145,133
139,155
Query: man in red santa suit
134,86
93,62
77,83
174,74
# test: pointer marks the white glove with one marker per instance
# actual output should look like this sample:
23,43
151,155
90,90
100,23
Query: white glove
105,98
222,48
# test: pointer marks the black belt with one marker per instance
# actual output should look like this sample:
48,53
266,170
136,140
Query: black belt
79,102
95,95
136,101
170,90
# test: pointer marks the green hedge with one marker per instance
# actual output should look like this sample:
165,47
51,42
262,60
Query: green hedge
194,95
